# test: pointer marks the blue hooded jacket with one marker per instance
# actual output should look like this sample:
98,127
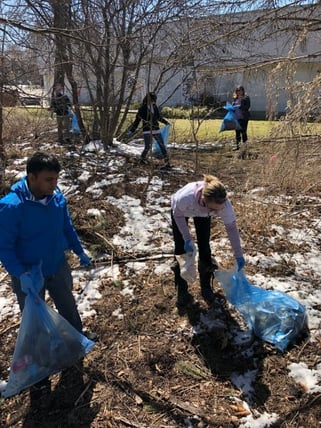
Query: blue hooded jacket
31,232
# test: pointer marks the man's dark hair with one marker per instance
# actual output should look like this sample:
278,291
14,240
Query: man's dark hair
42,161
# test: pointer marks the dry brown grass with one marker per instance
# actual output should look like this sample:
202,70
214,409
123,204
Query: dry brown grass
25,123
291,166
145,370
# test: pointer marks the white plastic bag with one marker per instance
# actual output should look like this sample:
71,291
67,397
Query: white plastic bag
187,266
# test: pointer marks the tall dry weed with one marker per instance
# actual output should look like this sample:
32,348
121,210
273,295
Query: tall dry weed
292,166
20,123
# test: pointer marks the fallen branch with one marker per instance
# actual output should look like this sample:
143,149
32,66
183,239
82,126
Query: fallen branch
127,422
170,404
107,241
133,258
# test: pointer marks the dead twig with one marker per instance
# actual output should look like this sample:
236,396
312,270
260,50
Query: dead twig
107,241
8,328
127,422
83,393
3,276
171,403
302,349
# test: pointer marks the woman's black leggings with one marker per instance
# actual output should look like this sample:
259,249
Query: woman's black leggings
203,231
242,133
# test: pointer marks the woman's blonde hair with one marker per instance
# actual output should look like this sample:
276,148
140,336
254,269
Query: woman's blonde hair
214,190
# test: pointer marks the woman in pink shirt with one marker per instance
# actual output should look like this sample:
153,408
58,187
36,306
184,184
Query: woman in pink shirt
202,200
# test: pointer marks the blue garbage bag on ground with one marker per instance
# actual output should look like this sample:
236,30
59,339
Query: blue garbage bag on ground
165,134
75,129
46,344
230,121
272,315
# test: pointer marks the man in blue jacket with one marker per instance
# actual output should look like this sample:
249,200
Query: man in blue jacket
36,230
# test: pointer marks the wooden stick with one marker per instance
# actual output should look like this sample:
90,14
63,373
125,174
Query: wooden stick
83,393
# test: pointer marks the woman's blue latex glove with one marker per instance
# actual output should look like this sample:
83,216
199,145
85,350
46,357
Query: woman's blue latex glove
84,260
240,263
189,246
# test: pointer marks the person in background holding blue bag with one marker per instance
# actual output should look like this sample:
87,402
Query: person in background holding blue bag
202,200
36,231
61,105
242,103
150,115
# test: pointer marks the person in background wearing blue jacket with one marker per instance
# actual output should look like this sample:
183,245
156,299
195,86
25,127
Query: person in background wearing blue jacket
202,200
150,115
36,230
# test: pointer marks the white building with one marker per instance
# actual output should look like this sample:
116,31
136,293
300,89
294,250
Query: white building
273,61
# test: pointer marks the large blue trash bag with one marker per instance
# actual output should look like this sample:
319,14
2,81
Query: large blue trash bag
230,121
75,129
165,134
46,344
273,315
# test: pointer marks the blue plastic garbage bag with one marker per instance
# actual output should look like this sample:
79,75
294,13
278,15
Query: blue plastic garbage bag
272,315
75,129
46,344
165,134
230,121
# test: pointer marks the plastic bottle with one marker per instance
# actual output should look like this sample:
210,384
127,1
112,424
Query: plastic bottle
21,363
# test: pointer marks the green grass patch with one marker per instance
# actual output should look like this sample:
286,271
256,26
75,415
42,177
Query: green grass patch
186,130
183,130
208,130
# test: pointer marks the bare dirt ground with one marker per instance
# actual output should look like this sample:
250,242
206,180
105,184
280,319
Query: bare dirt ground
144,370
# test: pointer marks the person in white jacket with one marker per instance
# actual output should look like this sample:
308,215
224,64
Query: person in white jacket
202,200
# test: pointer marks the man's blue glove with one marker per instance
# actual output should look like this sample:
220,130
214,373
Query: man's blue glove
240,263
84,260
129,133
189,246
33,280
26,282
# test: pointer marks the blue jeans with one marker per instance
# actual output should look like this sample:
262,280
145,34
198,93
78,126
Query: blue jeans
59,287
148,139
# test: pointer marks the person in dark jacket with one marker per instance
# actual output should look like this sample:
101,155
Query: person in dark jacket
242,103
36,231
150,116
60,105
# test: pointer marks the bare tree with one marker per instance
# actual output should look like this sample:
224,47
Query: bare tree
2,81
115,47
119,45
